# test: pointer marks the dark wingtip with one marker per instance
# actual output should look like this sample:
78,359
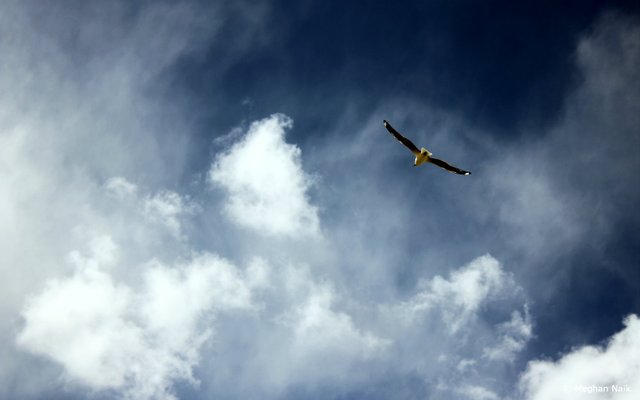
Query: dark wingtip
384,122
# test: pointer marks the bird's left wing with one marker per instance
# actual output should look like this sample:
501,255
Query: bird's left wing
401,138
448,167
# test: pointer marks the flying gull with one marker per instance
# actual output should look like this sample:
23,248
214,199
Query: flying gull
423,155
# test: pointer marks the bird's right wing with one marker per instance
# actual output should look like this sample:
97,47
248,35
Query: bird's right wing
402,139
448,167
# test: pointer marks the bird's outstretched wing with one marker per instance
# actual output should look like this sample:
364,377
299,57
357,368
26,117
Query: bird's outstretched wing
402,139
450,168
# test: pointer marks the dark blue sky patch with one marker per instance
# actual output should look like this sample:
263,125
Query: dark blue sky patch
503,66
593,296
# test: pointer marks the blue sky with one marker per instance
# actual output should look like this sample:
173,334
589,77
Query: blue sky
200,200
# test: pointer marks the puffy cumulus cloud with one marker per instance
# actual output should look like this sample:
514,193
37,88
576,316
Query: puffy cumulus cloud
304,330
135,340
164,211
462,332
168,208
89,141
120,187
477,393
102,251
325,343
611,371
304,336
265,183
514,335
310,334
79,103
319,328
459,297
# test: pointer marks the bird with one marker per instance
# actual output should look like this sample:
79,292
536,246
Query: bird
423,155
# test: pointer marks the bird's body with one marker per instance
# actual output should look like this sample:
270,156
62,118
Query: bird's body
423,155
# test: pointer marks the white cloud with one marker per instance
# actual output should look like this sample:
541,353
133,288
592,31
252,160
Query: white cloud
165,211
531,207
120,187
568,185
103,253
138,341
140,326
265,183
167,208
459,297
477,393
462,332
514,335
319,329
316,341
73,113
590,371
